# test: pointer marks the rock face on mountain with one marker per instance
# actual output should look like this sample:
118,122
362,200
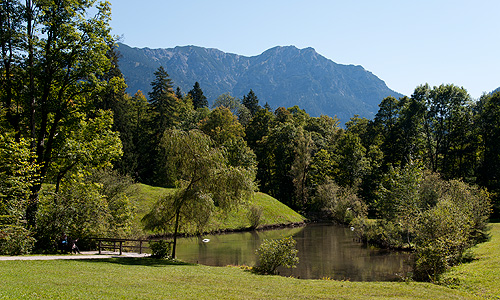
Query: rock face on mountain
281,76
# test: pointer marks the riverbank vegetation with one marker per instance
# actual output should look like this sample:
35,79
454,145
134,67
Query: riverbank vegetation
426,167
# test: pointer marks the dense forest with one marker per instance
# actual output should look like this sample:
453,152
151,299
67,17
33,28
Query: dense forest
72,140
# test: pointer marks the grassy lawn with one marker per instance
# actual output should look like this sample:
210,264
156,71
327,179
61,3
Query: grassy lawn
482,276
274,212
149,279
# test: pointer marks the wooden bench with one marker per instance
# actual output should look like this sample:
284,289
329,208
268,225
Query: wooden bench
122,244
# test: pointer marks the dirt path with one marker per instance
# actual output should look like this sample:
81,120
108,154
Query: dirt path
83,255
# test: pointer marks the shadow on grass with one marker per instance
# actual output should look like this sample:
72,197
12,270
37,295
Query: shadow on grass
141,261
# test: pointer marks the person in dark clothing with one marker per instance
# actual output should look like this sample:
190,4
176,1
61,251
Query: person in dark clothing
74,247
64,243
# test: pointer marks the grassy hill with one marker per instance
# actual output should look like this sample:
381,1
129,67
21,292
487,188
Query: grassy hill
273,212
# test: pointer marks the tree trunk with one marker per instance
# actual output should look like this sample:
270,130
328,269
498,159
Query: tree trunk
176,230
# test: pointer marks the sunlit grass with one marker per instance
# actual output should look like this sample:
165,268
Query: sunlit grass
128,278
274,212
482,276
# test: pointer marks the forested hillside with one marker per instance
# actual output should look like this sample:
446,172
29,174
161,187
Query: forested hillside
281,76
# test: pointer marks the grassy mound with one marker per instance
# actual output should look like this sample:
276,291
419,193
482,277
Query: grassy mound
273,212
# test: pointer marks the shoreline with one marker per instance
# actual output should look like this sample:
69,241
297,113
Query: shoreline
227,231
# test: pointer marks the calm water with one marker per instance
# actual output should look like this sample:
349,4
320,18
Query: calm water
324,251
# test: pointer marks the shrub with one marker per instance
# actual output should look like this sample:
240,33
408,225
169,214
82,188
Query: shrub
254,216
161,249
382,233
275,253
342,204
15,240
429,263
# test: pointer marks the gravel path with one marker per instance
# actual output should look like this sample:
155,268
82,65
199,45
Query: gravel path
83,255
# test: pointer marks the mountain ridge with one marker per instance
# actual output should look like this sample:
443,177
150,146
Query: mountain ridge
282,76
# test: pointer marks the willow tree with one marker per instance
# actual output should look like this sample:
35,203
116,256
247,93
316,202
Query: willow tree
205,182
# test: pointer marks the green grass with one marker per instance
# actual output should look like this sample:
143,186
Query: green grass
274,212
129,278
482,276
149,279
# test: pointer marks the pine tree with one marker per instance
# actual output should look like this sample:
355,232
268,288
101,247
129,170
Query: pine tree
251,102
163,102
199,100
178,93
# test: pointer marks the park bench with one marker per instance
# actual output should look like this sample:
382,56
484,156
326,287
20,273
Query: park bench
115,244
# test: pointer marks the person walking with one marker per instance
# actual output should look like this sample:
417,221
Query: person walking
74,247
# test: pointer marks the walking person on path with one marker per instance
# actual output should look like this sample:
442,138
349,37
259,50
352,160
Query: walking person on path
74,247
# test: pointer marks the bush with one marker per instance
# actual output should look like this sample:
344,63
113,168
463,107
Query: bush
275,253
342,204
161,249
15,240
382,233
429,263
254,216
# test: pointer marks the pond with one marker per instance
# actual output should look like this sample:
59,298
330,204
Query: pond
325,251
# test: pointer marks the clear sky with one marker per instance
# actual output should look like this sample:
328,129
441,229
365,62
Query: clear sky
405,43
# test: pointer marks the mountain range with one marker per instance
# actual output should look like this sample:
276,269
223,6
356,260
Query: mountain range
280,76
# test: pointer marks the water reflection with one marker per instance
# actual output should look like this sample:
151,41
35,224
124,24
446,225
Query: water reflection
324,251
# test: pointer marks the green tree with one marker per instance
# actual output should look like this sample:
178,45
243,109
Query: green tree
88,145
304,147
251,102
256,133
399,198
352,161
166,111
410,124
133,133
59,70
17,176
489,128
205,181
178,93
229,102
199,100
164,103
11,42
280,151
444,123
223,127
386,119
324,130
446,230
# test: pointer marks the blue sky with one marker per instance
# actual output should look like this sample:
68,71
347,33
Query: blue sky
405,43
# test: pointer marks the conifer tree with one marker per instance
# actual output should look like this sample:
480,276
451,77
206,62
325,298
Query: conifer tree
199,100
163,102
178,93
251,102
